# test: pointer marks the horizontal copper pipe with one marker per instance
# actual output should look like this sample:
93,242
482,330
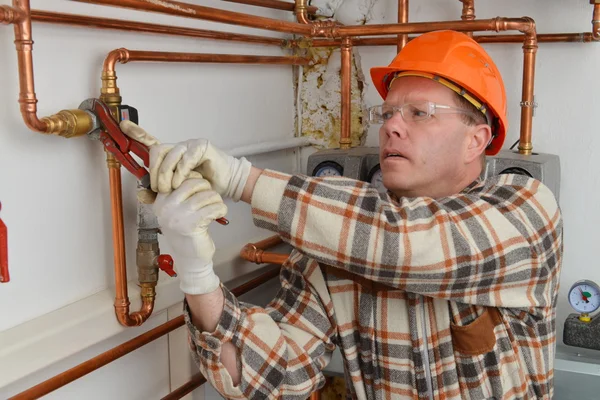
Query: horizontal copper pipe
188,387
393,41
206,13
255,252
131,26
163,56
274,4
494,24
115,353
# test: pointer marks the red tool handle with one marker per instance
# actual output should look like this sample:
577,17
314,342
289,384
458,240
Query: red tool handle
4,276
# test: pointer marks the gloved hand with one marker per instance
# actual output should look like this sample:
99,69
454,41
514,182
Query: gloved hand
184,216
171,164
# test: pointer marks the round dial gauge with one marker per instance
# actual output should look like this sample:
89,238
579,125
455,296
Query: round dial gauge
584,297
376,179
328,168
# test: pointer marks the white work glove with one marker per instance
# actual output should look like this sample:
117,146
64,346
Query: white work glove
184,216
171,164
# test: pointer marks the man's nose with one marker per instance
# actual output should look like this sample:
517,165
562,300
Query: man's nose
396,126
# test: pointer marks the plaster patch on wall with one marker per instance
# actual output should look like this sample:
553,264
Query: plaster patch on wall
347,12
320,97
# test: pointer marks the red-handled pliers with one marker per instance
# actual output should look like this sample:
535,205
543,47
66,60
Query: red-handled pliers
107,130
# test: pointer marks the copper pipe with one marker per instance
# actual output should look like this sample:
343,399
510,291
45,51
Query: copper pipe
24,46
10,15
180,9
582,37
255,252
274,4
494,24
527,100
188,387
125,55
596,19
468,12
402,19
121,297
115,353
301,11
131,26
346,75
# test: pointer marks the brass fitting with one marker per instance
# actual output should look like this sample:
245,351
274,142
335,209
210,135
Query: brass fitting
69,123
147,262
110,93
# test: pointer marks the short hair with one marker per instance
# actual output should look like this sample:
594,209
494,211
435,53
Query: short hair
476,119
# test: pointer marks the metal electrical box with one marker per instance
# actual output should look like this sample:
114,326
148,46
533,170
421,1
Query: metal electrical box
362,163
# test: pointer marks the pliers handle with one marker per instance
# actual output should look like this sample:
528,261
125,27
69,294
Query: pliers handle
107,130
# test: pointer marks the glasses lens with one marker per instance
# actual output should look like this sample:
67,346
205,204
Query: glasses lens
416,112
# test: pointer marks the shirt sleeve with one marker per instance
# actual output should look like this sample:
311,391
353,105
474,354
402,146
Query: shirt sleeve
497,243
281,348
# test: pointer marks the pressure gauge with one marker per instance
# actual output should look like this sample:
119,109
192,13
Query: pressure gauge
328,168
584,297
376,178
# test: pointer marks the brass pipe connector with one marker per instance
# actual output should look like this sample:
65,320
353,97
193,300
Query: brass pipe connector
69,123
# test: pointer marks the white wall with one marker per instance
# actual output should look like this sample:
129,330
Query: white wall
54,191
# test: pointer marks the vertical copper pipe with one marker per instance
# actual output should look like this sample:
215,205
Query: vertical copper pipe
346,74
121,350
468,12
596,19
402,19
121,296
187,10
24,46
527,100
301,11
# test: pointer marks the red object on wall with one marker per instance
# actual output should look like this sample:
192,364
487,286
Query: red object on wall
4,276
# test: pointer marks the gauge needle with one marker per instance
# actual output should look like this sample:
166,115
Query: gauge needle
583,296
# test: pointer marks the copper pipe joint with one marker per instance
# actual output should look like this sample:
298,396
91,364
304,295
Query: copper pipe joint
10,15
468,12
255,252
596,19
301,11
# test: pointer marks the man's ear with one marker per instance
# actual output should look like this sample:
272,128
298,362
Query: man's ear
479,137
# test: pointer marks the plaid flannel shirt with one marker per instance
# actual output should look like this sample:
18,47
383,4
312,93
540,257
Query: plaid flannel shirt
453,298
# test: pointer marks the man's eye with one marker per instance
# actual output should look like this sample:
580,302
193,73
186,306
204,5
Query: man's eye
416,113
387,115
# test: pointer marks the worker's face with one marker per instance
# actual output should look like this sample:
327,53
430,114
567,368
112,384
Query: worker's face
433,152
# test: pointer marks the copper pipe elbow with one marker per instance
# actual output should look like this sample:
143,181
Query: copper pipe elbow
596,20
255,252
301,11
117,55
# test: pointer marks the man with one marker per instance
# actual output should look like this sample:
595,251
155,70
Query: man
444,288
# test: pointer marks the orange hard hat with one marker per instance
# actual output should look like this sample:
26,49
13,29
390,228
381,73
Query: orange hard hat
453,59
